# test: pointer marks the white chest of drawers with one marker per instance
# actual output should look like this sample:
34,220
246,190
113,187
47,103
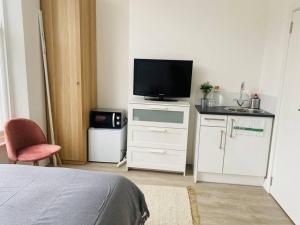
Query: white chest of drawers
157,135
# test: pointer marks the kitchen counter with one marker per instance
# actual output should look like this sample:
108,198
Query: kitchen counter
220,110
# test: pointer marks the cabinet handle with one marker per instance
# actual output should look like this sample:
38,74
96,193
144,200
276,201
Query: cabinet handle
231,132
221,141
162,108
158,151
158,130
214,119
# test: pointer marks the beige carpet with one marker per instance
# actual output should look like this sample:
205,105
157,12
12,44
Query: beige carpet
171,205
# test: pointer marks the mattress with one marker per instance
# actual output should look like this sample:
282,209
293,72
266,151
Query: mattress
59,196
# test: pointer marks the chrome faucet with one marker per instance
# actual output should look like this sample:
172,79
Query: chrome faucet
242,100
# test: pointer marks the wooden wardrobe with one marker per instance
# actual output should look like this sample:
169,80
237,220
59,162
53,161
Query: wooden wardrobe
70,33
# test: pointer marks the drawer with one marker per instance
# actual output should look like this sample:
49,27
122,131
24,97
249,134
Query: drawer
155,137
214,120
156,159
158,116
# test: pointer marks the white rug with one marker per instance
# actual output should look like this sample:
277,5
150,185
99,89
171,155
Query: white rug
170,205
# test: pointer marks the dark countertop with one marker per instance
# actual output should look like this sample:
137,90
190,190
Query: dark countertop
220,110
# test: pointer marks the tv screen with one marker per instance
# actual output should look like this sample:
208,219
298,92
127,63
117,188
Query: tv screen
162,78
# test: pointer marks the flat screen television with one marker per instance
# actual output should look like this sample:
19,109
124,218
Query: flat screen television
162,78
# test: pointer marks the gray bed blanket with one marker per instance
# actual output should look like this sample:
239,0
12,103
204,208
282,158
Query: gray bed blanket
58,196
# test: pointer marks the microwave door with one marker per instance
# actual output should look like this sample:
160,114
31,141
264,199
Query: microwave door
104,120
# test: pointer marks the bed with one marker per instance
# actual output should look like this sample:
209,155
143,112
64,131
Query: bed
59,196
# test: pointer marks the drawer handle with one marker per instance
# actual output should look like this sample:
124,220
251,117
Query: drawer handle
214,119
158,151
158,130
162,108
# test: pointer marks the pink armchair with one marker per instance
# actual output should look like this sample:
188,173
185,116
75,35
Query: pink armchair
26,142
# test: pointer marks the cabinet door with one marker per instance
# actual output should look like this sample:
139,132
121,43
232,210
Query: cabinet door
211,149
71,42
65,76
247,145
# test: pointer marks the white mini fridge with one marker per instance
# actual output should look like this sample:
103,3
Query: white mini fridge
107,145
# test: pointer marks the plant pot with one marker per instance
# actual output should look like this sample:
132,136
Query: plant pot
204,102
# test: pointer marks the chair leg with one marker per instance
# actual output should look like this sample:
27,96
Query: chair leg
58,160
54,160
12,162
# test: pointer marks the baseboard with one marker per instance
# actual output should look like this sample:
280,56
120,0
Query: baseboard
231,179
73,162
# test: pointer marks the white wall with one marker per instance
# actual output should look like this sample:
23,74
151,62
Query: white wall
112,53
34,64
16,57
24,60
226,50
225,38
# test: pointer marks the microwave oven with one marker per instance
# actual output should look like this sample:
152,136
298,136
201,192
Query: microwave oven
107,118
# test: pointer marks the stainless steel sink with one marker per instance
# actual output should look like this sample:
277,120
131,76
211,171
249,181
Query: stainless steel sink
243,110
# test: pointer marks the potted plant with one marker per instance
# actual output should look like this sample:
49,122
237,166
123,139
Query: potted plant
206,88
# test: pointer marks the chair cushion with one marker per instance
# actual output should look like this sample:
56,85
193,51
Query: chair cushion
37,152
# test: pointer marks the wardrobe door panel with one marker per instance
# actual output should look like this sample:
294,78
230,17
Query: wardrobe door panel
70,40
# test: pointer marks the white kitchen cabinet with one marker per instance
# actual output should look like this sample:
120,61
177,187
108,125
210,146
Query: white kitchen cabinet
227,153
212,141
247,154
